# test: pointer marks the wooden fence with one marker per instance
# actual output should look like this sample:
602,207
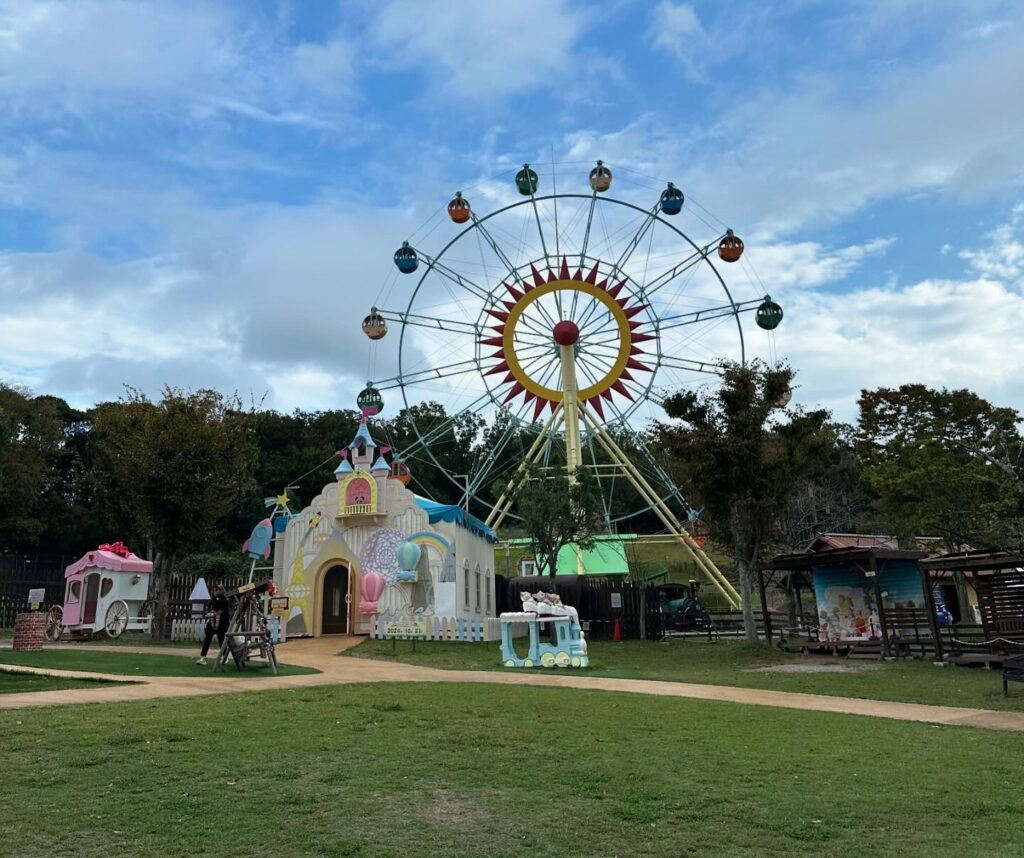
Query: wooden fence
20,573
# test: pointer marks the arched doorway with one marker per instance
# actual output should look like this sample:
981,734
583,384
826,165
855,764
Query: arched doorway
334,601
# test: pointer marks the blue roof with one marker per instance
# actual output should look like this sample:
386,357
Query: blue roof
362,437
381,465
344,468
446,512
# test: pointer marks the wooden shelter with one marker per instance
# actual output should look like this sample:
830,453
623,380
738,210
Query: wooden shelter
868,599
997,578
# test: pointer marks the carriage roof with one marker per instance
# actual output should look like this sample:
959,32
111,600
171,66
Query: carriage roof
110,561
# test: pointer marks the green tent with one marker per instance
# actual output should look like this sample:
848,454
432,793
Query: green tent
606,557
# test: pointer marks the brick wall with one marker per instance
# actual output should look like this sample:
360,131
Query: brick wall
29,631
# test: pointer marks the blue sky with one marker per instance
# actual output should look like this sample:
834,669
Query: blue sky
208,194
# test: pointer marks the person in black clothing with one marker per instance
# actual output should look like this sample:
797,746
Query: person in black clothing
217,620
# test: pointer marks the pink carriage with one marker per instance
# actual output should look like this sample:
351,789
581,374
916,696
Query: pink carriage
105,590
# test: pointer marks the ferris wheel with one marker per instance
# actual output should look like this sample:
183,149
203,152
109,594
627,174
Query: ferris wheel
564,318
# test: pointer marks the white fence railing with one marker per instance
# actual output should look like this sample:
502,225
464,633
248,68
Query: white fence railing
469,629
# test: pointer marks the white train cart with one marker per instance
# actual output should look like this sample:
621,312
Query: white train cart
106,590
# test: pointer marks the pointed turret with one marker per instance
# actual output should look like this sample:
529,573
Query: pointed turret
362,445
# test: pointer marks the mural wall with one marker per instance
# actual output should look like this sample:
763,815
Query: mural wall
846,598
846,608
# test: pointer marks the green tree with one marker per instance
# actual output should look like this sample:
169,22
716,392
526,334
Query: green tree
741,455
940,463
45,490
556,511
172,470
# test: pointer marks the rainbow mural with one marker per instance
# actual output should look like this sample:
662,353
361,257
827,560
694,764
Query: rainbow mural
435,541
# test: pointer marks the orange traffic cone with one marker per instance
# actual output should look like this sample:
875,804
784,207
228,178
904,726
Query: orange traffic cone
617,634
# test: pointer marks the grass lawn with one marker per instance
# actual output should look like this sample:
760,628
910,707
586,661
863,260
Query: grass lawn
457,770
736,663
11,683
138,664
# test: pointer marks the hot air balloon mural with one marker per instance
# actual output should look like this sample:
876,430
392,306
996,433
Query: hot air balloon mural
373,586
408,560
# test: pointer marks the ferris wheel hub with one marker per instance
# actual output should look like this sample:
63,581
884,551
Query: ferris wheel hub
566,332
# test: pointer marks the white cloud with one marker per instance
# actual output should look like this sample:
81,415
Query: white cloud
939,333
1004,255
809,264
90,57
823,147
943,333
482,50
675,28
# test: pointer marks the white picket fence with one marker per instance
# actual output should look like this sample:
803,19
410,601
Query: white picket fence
468,629
194,629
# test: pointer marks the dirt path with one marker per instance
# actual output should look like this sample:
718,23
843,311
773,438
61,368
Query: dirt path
321,653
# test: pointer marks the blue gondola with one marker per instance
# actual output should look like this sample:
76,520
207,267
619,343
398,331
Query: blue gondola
671,200
405,259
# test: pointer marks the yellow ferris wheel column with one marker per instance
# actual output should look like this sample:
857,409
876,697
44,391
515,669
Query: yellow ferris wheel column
566,334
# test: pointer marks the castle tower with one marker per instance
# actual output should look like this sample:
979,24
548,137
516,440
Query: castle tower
361,478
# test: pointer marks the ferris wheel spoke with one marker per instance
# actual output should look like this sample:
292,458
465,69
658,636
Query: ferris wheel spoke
485,232
670,274
590,368
454,326
586,233
708,367
531,364
634,242
536,326
540,229
432,374
459,280
481,471
696,316
426,438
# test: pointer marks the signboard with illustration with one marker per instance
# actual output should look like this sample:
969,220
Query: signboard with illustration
846,598
846,608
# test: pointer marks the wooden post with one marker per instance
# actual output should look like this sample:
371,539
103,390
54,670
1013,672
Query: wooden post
929,603
764,605
881,612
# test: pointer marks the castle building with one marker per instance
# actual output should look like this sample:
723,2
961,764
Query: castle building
345,559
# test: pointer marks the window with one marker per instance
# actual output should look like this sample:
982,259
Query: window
74,592
527,566
465,579
476,575
487,592
106,586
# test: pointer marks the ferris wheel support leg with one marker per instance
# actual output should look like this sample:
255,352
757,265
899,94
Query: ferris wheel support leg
570,405
668,518
501,508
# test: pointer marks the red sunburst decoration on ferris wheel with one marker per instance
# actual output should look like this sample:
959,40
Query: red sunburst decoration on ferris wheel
615,371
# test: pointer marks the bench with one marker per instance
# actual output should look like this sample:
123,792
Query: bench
1013,671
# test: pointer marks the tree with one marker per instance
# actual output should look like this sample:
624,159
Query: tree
172,470
44,486
741,454
940,463
835,499
556,511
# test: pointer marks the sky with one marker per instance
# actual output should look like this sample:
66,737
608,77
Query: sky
208,194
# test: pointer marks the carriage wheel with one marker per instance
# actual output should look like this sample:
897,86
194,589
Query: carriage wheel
54,623
117,619
148,609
